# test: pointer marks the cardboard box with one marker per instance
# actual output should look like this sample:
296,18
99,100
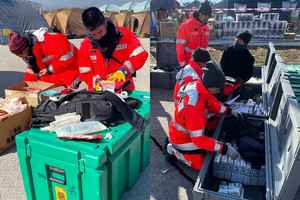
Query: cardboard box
11,126
30,91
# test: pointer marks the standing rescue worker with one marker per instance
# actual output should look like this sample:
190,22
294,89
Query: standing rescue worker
50,57
193,34
109,52
194,100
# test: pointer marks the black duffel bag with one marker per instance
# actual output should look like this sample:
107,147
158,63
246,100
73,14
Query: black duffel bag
105,107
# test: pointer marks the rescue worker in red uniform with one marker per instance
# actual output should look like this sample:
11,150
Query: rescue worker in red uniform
193,34
50,57
194,100
109,52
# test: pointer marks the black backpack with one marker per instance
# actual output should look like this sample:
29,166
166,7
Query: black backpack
105,107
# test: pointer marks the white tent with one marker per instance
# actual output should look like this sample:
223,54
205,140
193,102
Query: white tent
128,6
109,8
141,6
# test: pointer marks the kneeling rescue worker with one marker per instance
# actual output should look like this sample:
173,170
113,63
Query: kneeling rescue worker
194,100
108,52
50,56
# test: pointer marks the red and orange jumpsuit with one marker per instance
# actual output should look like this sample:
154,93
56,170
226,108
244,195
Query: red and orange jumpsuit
193,102
191,34
93,65
56,53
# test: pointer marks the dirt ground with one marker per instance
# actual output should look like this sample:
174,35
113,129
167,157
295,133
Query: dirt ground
289,56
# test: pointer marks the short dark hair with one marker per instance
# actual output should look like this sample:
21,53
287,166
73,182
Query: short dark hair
92,18
201,55
205,9
245,36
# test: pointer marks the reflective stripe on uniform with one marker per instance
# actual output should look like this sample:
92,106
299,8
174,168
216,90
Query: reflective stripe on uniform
191,91
194,133
121,47
137,51
186,146
218,147
67,56
47,58
197,133
84,70
188,49
180,41
50,68
180,128
129,66
223,109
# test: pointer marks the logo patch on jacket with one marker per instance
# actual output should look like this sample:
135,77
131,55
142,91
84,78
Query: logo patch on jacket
93,57
121,46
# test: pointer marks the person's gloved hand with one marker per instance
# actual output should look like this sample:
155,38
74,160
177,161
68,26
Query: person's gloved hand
231,151
75,84
117,76
96,83
43,72
120,75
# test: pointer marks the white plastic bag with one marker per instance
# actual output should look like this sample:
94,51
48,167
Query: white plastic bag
81,128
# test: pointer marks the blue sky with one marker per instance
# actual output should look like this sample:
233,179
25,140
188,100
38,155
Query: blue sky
78,3
184,1
86,3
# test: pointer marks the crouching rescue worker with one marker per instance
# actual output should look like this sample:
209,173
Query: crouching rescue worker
194,100
50,56
237,62
108,52
192,34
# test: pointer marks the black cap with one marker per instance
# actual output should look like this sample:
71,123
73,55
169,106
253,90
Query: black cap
201,55
205,8
245,36
92,18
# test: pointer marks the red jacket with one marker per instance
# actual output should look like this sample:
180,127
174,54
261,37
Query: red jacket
128,53
191,34
193,102
57,53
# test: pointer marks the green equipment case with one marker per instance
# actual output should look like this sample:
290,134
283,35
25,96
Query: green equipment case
54,168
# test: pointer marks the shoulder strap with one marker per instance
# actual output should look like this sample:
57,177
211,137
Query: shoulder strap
127,113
